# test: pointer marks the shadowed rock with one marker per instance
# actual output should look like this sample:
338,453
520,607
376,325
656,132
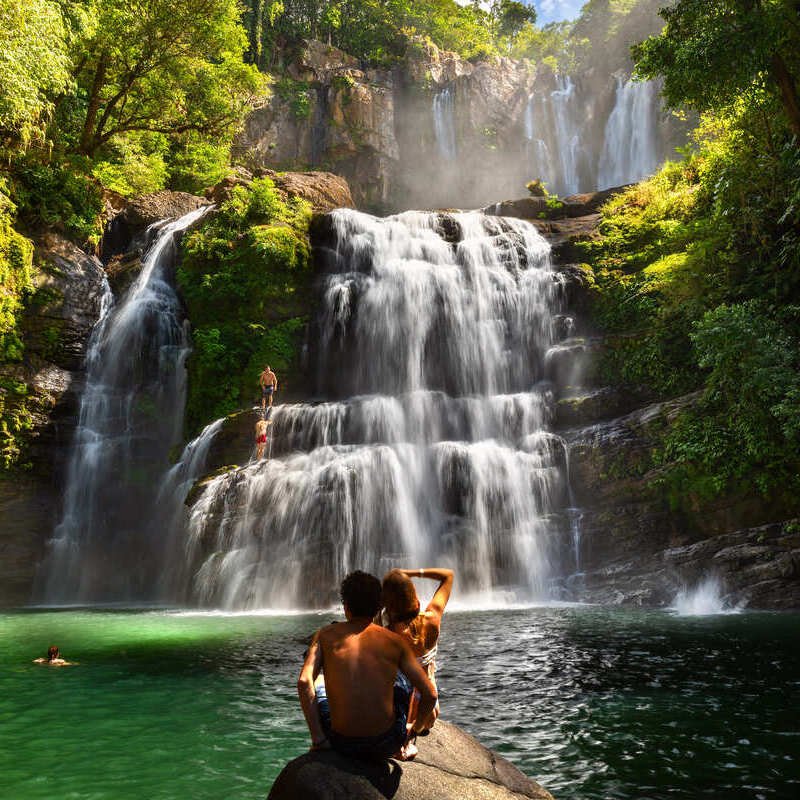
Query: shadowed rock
451,765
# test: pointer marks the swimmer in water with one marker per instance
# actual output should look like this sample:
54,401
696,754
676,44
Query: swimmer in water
53,658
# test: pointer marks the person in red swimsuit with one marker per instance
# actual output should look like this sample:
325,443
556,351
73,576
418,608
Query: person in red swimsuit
261,437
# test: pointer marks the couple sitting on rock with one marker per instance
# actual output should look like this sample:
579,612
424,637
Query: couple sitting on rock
378,691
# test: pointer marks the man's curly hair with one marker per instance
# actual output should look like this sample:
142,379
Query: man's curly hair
361,593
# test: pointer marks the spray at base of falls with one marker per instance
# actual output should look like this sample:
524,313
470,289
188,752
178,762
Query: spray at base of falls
705,599
432,342
131,415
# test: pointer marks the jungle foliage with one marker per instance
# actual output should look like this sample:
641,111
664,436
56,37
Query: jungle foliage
698,268
379,31
246,281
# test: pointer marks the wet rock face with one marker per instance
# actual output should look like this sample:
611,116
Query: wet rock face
634,548
450,764
376,127
71,288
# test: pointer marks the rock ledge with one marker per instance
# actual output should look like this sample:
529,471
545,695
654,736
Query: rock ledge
451,765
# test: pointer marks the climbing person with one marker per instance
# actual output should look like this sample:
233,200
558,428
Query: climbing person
53,658
261,436
420,629
269,385
361,710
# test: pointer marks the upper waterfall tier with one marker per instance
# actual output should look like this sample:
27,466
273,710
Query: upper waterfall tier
431,341
460,303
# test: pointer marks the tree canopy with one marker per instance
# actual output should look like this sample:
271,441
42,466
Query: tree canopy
164,66
34,64
710,53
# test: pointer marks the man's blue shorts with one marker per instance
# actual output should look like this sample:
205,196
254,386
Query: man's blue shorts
384,745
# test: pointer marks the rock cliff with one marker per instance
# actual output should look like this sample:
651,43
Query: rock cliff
440,131
450,764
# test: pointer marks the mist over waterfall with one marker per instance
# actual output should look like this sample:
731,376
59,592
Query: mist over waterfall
433,444
131,415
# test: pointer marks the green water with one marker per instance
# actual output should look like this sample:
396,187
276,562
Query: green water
596,704
159,706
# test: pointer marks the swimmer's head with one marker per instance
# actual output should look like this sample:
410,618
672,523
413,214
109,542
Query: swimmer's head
52,653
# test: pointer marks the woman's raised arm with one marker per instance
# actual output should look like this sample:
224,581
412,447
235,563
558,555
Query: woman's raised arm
442,593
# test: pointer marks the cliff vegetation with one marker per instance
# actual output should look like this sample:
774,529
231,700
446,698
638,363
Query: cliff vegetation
697,270
246,280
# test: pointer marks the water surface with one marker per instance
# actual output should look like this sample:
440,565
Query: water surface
594,703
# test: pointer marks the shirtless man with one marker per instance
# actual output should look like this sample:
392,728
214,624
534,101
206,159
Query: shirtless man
361,711
269,385
261,437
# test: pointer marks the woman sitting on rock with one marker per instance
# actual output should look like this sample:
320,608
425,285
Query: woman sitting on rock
420,629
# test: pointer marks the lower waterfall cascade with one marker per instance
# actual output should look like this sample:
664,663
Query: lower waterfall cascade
433,443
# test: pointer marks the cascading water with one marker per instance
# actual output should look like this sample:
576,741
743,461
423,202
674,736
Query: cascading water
630,149
444,123
553,129
432,339
570,152
131,415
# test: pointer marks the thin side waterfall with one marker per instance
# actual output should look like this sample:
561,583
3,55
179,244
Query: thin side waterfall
433,445
171,511
444,123
630,149
568,134
131,416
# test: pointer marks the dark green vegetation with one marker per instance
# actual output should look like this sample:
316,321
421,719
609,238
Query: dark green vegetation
246,280
100,95
380,31
16,283
698,269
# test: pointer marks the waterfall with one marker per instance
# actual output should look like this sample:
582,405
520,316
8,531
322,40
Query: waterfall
570,152
444,123
630,148
553,129
433,446
131,415
171,507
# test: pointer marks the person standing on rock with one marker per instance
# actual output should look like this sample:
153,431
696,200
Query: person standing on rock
361,710
269,385
261,436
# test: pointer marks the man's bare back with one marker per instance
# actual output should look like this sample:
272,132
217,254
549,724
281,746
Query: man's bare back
360,666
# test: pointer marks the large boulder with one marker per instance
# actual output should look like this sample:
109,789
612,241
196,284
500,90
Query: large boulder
451,765
128,220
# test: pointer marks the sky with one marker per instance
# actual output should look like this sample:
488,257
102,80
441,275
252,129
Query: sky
549,10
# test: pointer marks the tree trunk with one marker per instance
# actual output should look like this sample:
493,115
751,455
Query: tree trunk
88,144
785,81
